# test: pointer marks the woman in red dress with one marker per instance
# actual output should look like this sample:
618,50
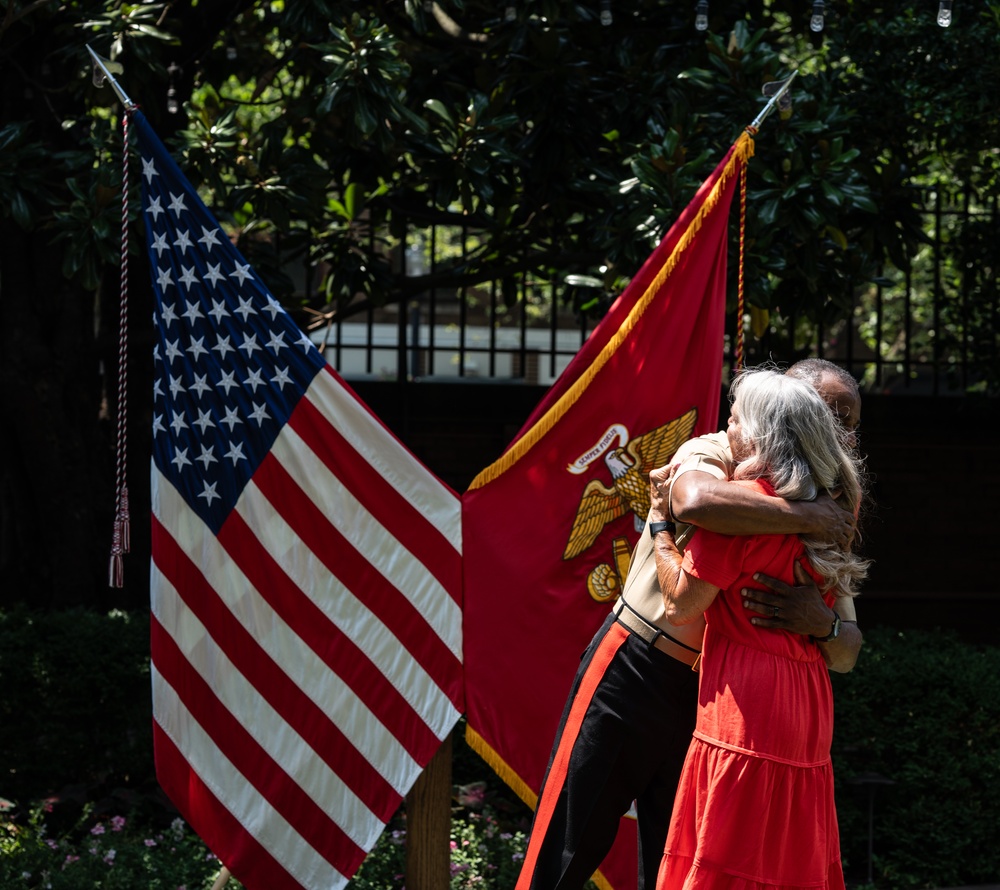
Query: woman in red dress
754,808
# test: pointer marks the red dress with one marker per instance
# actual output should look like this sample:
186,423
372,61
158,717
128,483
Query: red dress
754,807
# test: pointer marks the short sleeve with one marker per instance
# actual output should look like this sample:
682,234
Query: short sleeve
709,454
714,558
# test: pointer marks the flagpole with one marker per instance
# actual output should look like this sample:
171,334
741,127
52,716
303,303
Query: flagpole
750,131
767,109
119,92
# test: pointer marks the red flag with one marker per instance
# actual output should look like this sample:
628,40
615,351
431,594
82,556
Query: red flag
306,577
549,527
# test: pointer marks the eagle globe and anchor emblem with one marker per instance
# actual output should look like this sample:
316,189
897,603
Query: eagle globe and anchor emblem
629,461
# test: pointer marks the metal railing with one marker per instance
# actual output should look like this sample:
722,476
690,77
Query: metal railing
932,329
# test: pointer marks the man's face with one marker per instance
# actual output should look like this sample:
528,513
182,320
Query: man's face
846,406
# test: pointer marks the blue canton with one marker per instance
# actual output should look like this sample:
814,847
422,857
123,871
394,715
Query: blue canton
231,365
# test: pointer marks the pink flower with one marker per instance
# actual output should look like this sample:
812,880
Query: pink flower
70,858
117,823
471,795
98,828
149,842
109,857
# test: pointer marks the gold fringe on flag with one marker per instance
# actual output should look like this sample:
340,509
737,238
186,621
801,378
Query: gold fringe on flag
742,151
500,767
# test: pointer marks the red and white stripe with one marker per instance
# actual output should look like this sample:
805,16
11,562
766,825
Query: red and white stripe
307,661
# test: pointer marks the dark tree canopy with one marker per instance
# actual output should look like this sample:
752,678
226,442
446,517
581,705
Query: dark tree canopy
318,130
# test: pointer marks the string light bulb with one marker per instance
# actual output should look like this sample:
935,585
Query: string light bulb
606,18
173,106
816,20
701,15
944,13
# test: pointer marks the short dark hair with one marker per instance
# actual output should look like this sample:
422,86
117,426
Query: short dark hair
811,370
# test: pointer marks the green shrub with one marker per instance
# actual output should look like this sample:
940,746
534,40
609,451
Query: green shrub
485,855
76,686
112,854
921,709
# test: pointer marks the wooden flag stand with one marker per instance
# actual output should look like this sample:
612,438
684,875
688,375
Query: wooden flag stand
428,824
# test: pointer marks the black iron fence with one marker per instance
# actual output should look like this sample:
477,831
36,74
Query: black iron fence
931,329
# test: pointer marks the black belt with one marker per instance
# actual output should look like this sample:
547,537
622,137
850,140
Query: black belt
654,636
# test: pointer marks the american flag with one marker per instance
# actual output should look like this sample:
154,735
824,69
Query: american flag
306,573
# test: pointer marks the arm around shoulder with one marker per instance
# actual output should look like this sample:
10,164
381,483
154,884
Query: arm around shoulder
701,499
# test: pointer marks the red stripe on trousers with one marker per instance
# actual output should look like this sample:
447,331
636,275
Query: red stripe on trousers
556,777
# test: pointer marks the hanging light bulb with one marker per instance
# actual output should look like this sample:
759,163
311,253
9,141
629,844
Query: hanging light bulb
816,21
606,12
509,13
173,106
701,15
944,13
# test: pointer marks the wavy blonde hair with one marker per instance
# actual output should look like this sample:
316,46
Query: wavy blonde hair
796,444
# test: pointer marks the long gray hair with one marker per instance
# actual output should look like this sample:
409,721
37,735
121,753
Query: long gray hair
795,443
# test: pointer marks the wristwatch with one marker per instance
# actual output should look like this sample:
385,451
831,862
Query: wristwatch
667,526
834,631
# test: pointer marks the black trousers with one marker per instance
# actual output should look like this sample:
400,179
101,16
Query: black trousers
623,737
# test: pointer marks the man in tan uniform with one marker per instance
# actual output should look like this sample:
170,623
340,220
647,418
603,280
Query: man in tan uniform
637,674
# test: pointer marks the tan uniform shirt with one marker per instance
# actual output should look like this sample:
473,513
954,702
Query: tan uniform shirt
641,593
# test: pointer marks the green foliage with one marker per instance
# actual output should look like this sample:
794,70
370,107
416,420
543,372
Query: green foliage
22,178
920,710
76,686
484,854
110,854
320,131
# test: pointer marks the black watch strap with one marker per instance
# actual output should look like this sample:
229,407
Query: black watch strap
834,631
667,526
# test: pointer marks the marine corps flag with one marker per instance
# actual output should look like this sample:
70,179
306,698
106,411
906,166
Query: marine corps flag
548,528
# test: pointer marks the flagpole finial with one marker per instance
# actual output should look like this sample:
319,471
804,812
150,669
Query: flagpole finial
102,73
779,88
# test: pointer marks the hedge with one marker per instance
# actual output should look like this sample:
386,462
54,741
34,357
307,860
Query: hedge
920,711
